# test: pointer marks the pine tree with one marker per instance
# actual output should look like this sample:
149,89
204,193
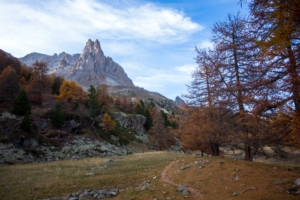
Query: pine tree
21,104
57,116
92,101
149,122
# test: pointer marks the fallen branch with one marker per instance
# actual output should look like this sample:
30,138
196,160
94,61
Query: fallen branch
252,188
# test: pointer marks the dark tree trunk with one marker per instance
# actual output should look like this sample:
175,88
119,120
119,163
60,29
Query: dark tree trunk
215,148
249,153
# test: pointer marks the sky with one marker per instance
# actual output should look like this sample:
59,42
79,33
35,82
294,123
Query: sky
153,40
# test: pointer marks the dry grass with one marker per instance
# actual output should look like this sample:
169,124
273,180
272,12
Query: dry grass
214,181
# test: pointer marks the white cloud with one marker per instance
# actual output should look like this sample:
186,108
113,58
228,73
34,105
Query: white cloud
167,82
40,26
205,44
187,69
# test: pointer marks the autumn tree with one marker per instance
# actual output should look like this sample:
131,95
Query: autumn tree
158,132
70,91
277,28
8,60
38,85
118,102
105,101
9,85
108,122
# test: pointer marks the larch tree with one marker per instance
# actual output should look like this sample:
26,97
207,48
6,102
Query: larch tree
158,132
9,85
108,122
278,28
70,91
237,75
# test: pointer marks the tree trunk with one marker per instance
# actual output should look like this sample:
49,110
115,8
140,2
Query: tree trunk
249,154
215,148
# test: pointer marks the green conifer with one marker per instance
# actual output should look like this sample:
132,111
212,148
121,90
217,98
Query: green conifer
21,104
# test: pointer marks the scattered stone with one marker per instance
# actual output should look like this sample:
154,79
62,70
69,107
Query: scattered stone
104,167
234,194
297,182
144,187
110,160
186,167
182,189
280,182
293,190
90,174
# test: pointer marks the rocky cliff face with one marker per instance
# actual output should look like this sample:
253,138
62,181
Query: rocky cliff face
57,63
91,67
179,102
94,68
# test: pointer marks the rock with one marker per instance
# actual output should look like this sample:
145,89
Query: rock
134,123
175,148
234,194
72,127
20,154
186,167
280,182
66,149
110,160
293,190
182,189
30,142
10,159
297,182
180,102
2,146
94,68
41,124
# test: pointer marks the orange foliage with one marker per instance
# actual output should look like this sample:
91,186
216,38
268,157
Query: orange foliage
108,122
70,90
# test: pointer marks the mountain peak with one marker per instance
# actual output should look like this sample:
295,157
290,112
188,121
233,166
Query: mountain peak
94,68
179,102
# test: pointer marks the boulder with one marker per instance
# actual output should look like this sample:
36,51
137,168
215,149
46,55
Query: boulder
41,124
134,123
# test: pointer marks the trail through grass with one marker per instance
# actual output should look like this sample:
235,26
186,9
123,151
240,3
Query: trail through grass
142,176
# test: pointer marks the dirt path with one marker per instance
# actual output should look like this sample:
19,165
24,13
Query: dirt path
194,193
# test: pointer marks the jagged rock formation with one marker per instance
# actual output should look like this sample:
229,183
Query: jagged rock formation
179,102
94,68
57,63
134,123
91,67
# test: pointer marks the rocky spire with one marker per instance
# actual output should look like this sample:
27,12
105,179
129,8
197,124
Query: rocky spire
94,68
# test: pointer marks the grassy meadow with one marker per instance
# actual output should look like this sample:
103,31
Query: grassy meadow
218,178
